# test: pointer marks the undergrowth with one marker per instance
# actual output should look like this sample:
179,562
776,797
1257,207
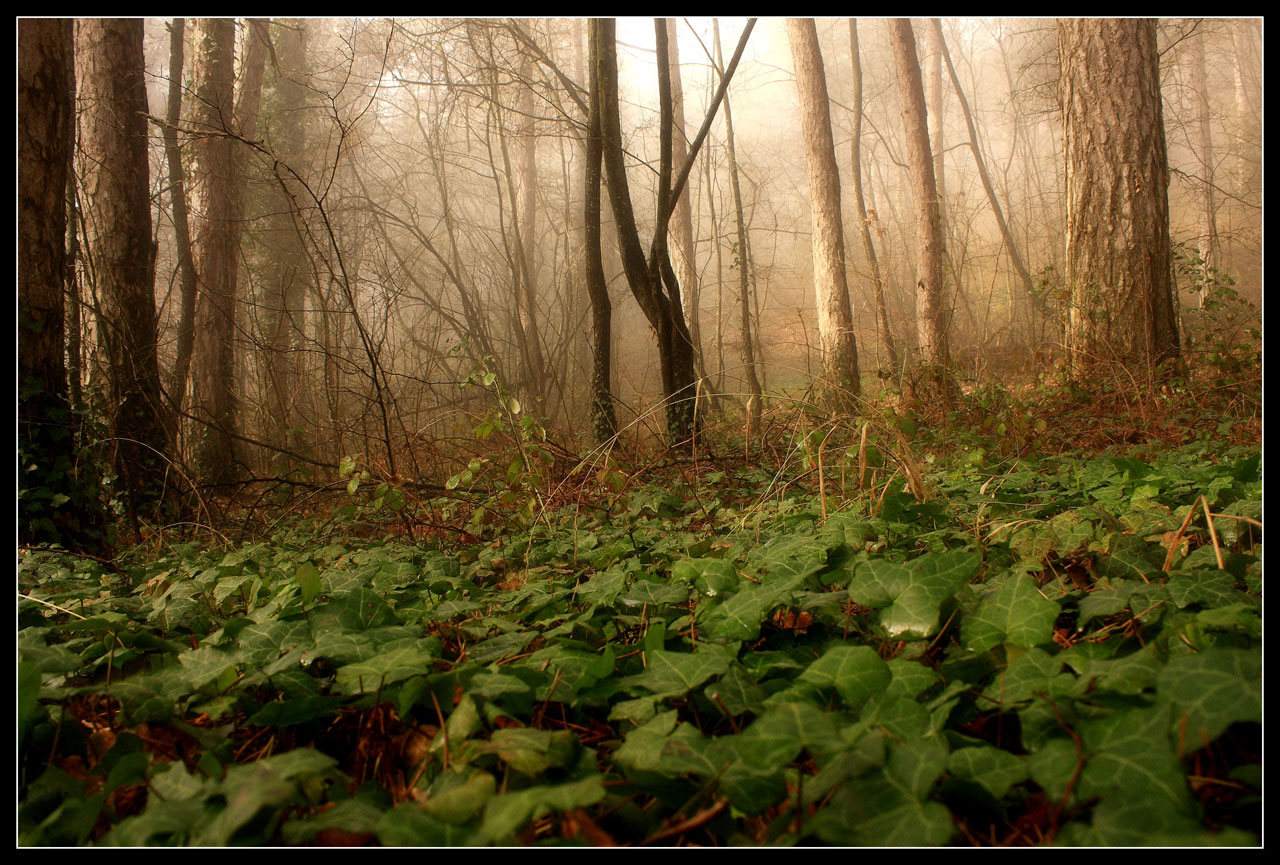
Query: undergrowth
1029,617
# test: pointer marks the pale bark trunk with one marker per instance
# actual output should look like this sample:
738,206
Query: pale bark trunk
755,394
684,260
1207,233
835,316
868,246
931,331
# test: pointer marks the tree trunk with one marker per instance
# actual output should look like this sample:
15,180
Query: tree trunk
46,444
931,328
526,235
675,354
1010,244
755,398
1207,233
181,221
873,263
113,135
604,421
219,190
1118,249
685,261
216,253
289,269
835,316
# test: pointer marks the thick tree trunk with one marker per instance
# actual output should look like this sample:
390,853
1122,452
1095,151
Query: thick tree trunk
1118,249
46,444
113,135
835,316
931,319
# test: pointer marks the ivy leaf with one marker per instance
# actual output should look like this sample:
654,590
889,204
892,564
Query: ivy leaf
910,596
1015,613
887,808
505,814
308,577
678,673
1209,692
994,769
1130,754
856,672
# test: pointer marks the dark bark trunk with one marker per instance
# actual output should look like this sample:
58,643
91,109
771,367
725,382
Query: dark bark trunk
113,133
1118,249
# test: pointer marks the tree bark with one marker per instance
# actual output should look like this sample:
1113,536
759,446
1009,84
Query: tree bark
675,354
835,316
868,247
1118,249
1015,256
755,393
188,287
220,117
212,193
931,326
289,270
113,135
1207,228
46,443
684,261
604,421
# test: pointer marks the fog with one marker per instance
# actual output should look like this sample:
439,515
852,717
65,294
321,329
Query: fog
417,186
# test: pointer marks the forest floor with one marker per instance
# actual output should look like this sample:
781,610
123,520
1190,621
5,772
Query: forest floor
1033,619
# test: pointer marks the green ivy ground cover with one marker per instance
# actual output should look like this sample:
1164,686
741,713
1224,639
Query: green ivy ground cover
1067,651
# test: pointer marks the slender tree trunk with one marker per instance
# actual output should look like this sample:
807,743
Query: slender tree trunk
835,316
755,398
719,258
289,270
113,133
868,247
931,329
216,450
181,221
1207,233
1011,245
684,261
1118,249
936,108
603,418
219,115
526,234
646,283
